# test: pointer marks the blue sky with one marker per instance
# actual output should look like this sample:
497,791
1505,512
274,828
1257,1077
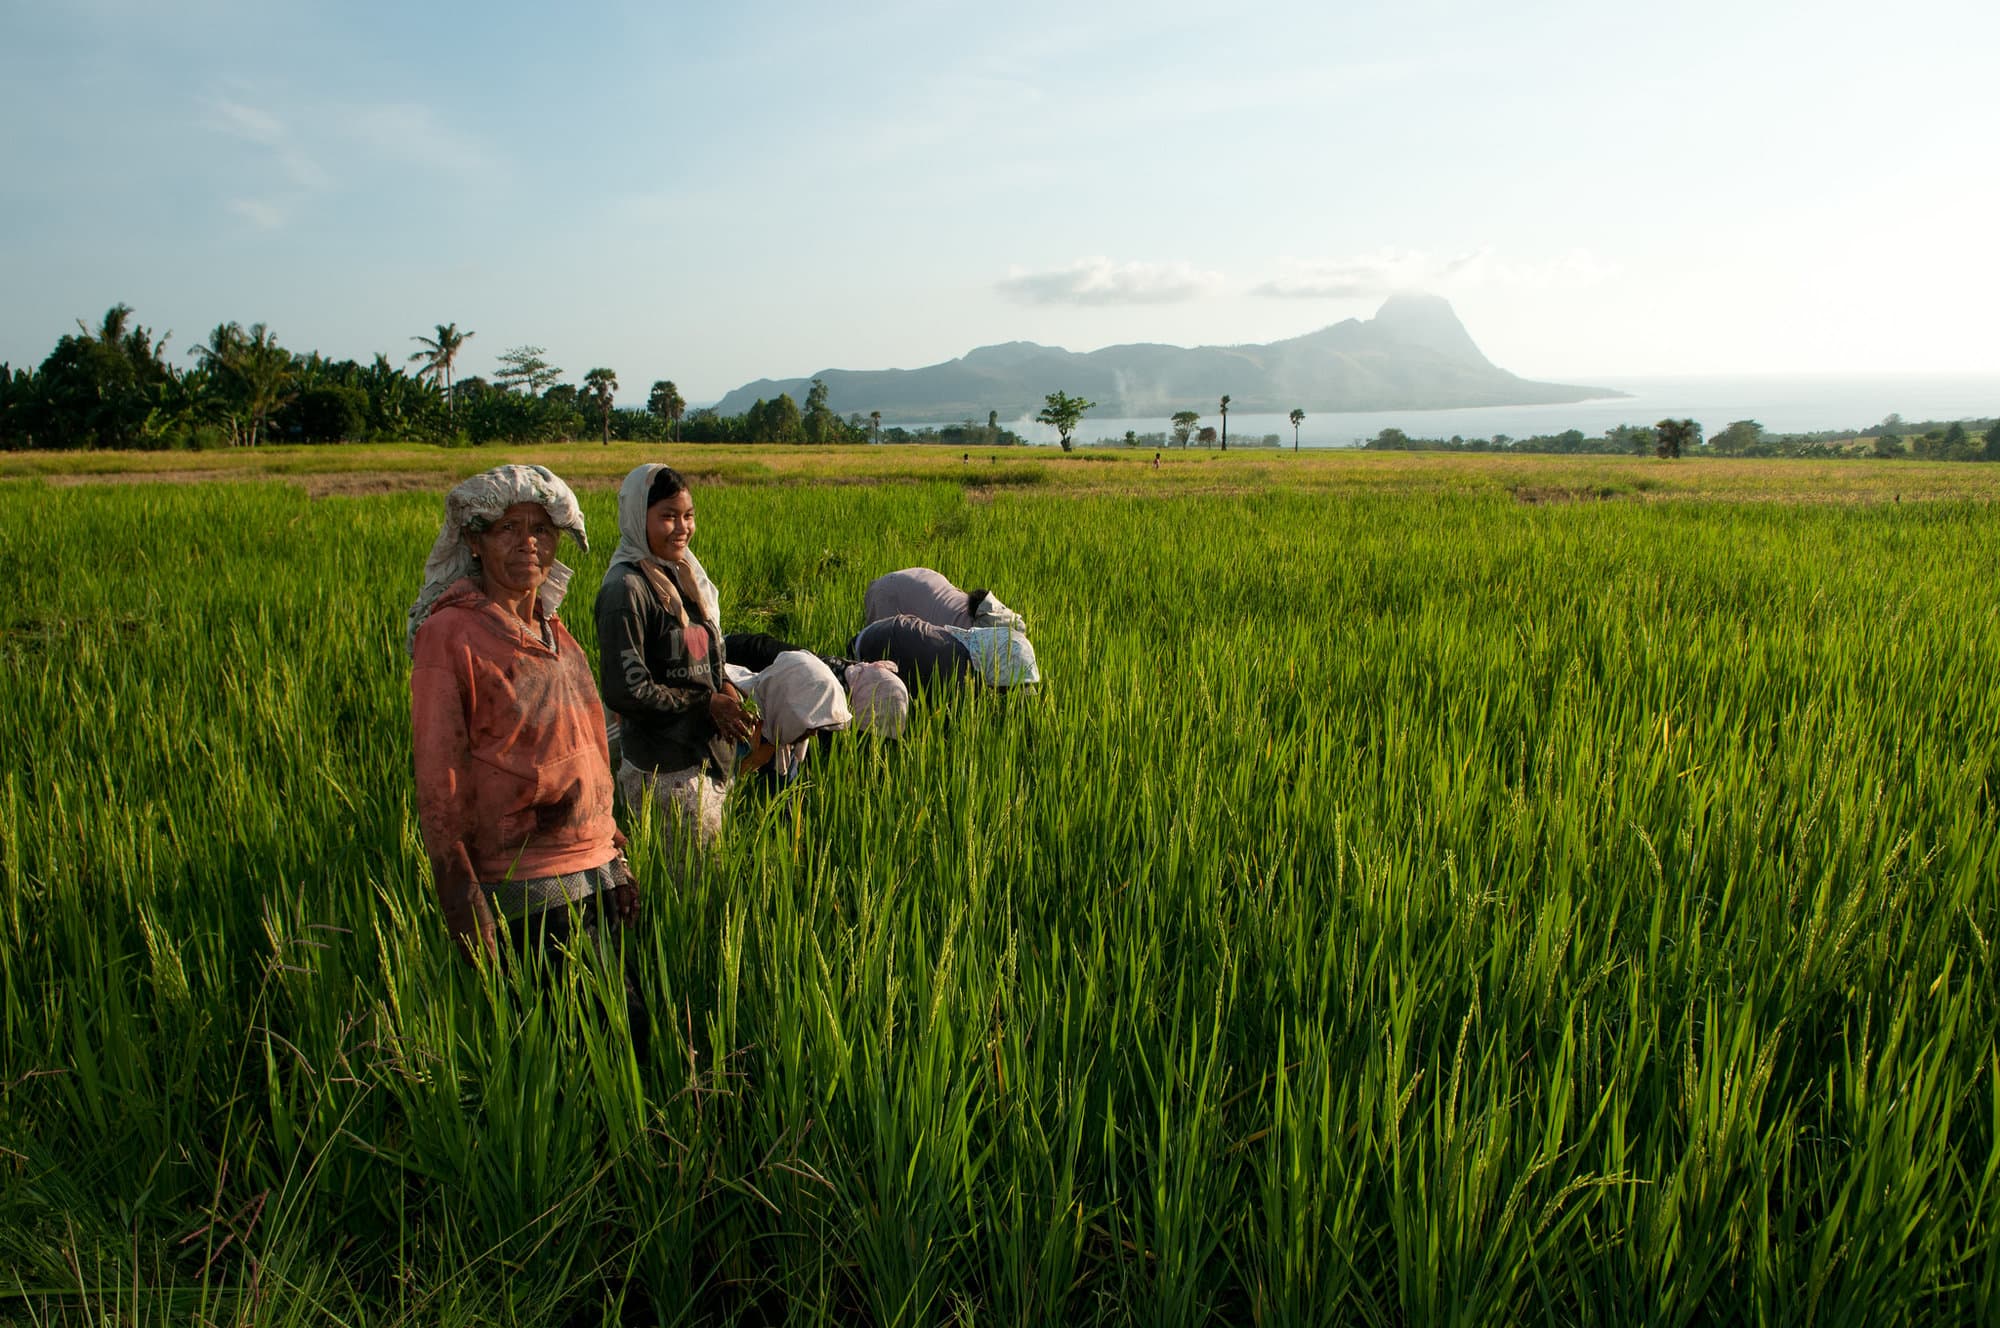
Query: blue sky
717,193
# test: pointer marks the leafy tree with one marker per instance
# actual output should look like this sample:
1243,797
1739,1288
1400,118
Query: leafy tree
249,377
327,413
1676,437
666,402
773,421
1184,422
1887,442
1741,436
104,387
1225,421
819,423
1957,443
1992,452
440,356
599,385
1634,438
265,370
524,367
400,406
1298,417
1207,436
19,389
1131,438
1063,411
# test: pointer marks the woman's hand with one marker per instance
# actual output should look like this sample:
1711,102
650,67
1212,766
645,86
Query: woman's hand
625,893
731,720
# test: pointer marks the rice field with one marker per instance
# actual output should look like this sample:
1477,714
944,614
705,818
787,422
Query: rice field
1411,900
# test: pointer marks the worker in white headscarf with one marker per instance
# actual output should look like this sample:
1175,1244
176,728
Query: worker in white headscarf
878,698
661,663
513,781
798,699
875,693
925,593
925,653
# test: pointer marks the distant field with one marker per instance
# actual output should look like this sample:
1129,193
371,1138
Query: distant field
1428,889
387,468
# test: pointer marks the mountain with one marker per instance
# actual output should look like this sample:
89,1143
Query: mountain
1413,354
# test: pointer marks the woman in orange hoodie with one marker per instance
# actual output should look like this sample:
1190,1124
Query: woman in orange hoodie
513,772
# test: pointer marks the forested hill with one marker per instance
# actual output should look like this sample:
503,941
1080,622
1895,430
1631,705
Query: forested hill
1413,355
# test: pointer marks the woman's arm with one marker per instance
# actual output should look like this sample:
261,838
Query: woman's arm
444,795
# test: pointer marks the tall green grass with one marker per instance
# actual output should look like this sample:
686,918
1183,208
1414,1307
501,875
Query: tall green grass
1393,909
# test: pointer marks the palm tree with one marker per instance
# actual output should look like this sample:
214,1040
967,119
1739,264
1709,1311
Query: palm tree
599,384
1298,418
874,426
266,370
1676,436
259,370
439,355
666,401
1225,421
112,331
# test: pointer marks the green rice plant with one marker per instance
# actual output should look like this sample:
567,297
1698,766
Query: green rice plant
1401,903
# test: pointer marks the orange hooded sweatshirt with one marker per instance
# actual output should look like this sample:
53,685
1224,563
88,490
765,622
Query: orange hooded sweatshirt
513,772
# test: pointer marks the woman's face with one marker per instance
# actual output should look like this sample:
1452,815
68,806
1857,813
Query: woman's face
516,552
669,524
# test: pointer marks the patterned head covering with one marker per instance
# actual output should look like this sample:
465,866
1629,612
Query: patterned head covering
476,504
1002,655
633,548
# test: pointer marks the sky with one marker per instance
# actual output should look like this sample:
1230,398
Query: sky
717,193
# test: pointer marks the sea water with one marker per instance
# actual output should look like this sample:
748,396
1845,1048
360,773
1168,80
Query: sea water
1796,404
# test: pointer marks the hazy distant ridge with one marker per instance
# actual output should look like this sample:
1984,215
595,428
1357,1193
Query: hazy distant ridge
1413,355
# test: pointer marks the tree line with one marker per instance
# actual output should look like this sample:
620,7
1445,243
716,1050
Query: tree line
115,386
1956,440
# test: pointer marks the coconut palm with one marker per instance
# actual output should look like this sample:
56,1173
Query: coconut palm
268,377
439,356
874,426
598,385
1676,436
1298,418
1225,421
666,402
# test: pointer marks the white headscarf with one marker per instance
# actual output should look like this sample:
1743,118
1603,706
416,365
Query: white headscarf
878,698
992,613
476,504
797,697
1002,655
633,547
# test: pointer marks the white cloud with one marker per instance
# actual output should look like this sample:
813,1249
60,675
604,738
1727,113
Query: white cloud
245,122
417,135
1391,270
287,164
264,213
1099,281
